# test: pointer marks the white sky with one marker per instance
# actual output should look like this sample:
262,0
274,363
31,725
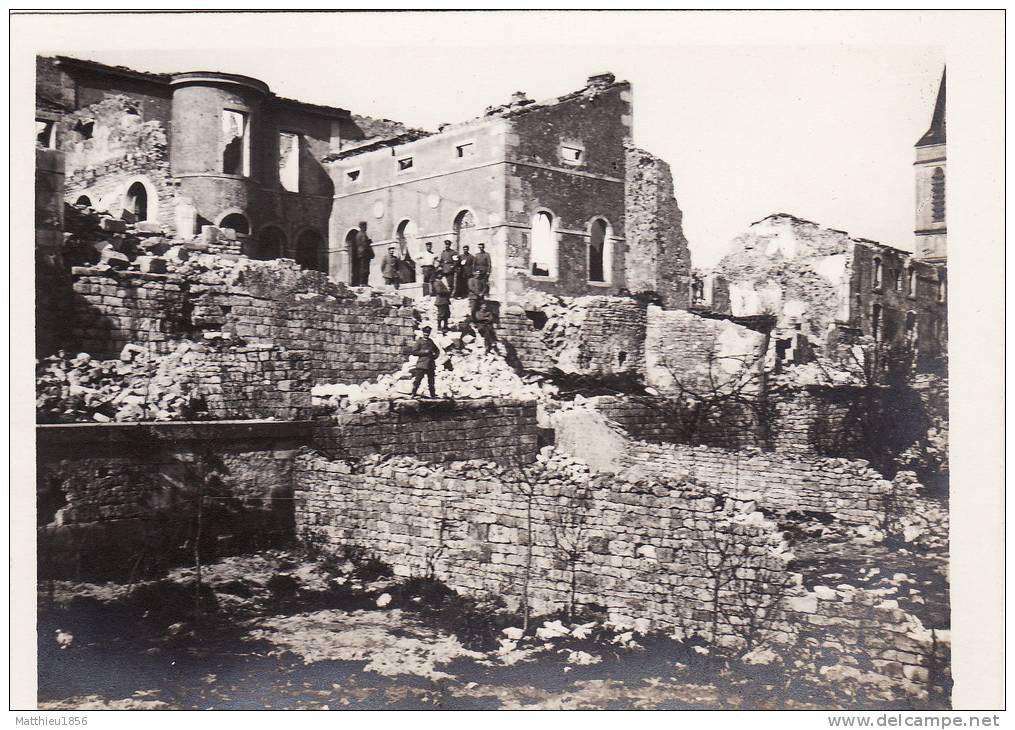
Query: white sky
752,119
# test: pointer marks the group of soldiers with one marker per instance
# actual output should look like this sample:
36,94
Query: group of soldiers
452,274
446,275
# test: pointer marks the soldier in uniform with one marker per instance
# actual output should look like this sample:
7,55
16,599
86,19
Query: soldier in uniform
466,265
442,298
428,267
390,268
484,264
426,352
362,253
484,324
449,264
478,290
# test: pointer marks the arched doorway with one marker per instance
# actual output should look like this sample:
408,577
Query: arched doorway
405,236
310,251
271,242
237,221
136,204
464,227
543,246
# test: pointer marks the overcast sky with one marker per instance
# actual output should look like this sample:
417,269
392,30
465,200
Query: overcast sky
754,118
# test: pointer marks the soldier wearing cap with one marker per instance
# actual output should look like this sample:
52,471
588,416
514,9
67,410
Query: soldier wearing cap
484,264
426,352
390,266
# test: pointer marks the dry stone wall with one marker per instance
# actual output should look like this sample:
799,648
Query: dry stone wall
780,483
849,490
110,495
340,337
500,430
646,551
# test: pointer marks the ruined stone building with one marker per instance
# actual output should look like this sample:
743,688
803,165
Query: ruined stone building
192,149
563,201
832,288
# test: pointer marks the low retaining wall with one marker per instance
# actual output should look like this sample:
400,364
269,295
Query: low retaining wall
675,557
117,498
849,490
497,429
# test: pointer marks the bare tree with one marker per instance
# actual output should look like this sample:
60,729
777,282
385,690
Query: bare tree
705,403
523,479
568,529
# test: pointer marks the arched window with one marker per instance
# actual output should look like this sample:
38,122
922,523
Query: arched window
876,321
600,250
464,227
937,195
83,200
911,276
237,221
543,246
136,204
878,272
898,280
408,250
271,243
310,252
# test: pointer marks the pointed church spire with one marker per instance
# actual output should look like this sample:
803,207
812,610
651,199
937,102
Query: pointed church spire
936,133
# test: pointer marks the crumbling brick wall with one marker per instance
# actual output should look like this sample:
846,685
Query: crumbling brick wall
118,146
612,336
340,337
500,430
116,497
110,309
780,482
658,258
699,356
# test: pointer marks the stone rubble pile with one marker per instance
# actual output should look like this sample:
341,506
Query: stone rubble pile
464,371
564,319
140,386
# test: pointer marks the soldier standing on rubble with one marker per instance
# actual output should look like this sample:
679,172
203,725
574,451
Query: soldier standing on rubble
442,298
428,267
478,290
362,253
466,266
426,352
449,263
390,268
484,324
484,264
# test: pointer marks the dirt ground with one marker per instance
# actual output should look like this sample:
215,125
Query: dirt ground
278,630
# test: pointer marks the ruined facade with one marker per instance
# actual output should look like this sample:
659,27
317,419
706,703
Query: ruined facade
555,190
192,149
827,288
832,288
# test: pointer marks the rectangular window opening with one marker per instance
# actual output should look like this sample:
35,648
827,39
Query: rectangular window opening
289,161
235,143
465,150
352,175
573,155
44,134
405,164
